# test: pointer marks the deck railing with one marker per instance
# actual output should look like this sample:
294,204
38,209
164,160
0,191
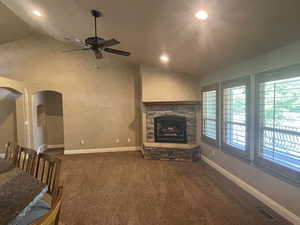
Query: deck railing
282,139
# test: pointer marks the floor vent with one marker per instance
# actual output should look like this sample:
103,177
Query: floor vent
265,213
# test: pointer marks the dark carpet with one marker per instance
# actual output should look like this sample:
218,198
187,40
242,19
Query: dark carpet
125,189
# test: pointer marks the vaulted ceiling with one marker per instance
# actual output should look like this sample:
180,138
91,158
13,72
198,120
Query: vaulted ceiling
235,30
11,26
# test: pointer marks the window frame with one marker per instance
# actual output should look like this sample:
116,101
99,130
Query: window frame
206,139
286,174
236,152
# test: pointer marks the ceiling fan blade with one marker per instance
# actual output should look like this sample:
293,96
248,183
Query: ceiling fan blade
111,42
76,49
98,54
118,52
76,41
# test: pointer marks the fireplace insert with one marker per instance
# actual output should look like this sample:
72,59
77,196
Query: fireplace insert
170,129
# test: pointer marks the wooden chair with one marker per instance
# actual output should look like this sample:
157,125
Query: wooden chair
52,217
27,160
48,171
12,152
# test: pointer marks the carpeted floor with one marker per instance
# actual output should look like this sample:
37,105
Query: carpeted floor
124,189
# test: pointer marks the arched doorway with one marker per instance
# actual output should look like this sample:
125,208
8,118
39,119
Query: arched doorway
8,117
48,125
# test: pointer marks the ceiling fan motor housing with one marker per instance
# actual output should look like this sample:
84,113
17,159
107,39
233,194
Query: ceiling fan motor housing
96,13
94,41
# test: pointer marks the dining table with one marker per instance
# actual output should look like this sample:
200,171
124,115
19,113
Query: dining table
19,191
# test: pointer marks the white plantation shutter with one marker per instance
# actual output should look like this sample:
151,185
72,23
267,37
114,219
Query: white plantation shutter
209,114
278,122
234,114
235,106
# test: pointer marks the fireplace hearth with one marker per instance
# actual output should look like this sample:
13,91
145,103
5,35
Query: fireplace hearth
170,129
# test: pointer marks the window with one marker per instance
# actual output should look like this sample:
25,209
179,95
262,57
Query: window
278,129
275,120
235,117
209,114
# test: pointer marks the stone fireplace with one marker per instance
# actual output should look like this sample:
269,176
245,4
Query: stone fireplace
170,130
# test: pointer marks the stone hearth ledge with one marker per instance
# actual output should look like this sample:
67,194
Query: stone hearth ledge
171,145
171,151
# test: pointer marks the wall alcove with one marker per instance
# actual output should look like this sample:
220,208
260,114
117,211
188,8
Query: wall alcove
48,125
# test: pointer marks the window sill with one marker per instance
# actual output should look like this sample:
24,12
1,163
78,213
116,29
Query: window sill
283,159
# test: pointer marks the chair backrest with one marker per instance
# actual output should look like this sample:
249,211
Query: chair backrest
52,217
27,160
12,152
48,171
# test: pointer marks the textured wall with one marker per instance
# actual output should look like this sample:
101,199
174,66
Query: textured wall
54,119
99,96
39,99
8,125
22,115
285,194
159,85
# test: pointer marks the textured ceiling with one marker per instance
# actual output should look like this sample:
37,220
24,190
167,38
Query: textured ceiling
11,26
236,29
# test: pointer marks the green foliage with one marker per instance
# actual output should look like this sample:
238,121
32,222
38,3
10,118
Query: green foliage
236,100
286,104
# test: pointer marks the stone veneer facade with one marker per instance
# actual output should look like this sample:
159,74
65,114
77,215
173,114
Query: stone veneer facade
167,151
187,111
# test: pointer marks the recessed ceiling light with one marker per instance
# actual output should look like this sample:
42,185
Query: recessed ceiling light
36,12
164,59
201,15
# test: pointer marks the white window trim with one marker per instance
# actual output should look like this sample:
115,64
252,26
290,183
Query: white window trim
277,170
204,138
245,80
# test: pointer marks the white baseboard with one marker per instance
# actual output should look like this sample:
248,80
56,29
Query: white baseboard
55,146
102,150
284,212
2,155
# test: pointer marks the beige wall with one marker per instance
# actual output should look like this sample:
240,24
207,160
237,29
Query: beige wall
8,124
160,85
39,132
54,118
283,193
100,97
99,100
23,128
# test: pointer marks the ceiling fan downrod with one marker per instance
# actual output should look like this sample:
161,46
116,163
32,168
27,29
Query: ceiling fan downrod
96,14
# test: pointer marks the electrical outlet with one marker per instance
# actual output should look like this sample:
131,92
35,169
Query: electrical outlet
82,142
117,141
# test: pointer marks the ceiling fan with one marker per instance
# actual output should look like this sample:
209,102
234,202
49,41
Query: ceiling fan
98,44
